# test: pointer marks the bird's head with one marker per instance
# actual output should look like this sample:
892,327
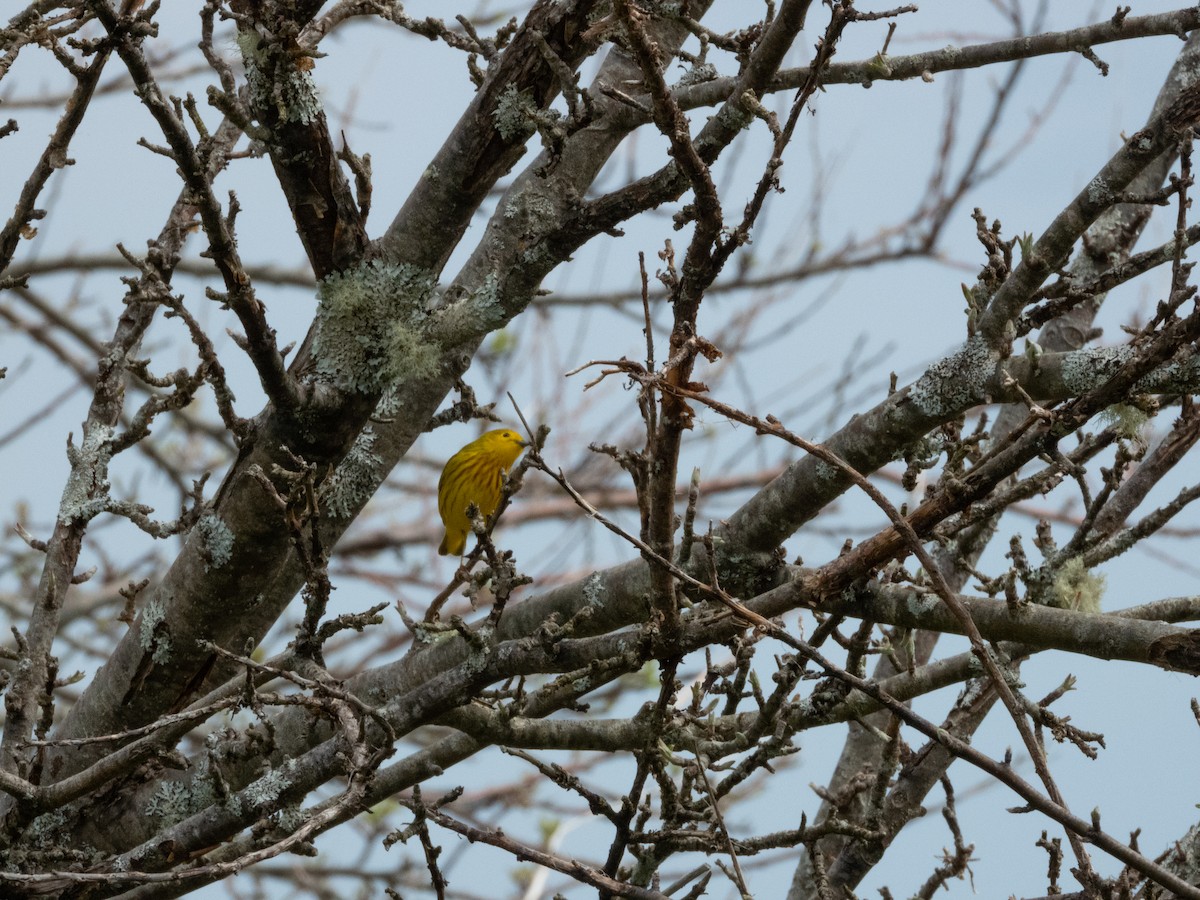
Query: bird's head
505,443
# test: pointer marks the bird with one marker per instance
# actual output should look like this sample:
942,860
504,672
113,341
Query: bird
475,474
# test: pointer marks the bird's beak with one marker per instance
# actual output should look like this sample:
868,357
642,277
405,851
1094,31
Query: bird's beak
523,444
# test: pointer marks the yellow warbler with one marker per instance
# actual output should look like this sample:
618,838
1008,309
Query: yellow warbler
475,474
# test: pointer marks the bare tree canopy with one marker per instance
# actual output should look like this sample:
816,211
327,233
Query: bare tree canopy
631,232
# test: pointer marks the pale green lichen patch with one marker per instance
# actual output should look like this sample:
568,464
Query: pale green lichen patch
86,493
1083,371
153,635
250,45
921,604
924,452
216,541
203,792
172,802
699,73
539,258
44,831
267,789
411,352
1178,375
1077,587
1098,191
354,480
291,817
1126,420
372,325
389,404
956,382
48,840
481,653
977,684
593,589
532,209
825,472
277,82
515,115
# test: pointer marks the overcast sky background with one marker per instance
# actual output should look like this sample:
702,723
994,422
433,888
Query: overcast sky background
396,97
